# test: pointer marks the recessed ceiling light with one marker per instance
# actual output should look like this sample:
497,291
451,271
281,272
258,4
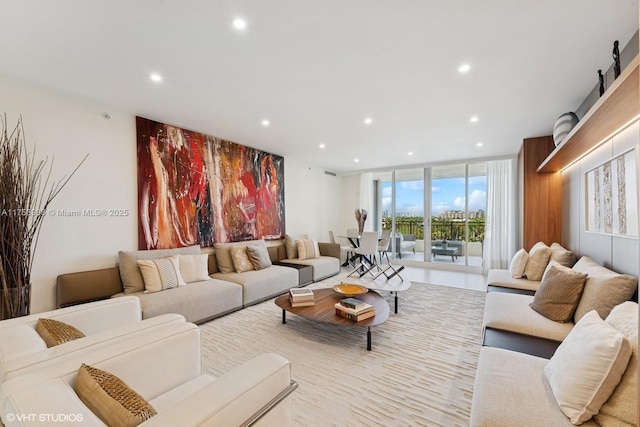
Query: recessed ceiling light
479,144
266,122
322,146
239,24
156,77
473,119
410,153
368,121
464,68
356,160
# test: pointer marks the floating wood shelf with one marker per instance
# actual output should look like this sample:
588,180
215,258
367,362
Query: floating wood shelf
618,106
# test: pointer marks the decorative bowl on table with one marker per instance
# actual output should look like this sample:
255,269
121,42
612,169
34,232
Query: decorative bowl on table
350,290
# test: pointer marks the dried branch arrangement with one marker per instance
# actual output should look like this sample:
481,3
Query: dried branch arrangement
26,190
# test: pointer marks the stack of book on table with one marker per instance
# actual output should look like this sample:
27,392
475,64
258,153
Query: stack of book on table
301,297
354,309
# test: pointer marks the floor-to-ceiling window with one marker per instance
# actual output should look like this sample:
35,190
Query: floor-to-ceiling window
458,206
453,200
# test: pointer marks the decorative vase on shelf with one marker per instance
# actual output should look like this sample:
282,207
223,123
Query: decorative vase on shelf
563,126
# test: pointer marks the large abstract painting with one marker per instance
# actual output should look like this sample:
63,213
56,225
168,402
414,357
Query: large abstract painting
198,189
611,197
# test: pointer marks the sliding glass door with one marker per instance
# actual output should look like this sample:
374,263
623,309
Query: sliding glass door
451,197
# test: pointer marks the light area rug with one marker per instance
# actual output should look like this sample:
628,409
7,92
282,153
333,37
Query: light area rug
420,371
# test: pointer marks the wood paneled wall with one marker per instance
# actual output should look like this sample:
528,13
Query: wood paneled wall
542,195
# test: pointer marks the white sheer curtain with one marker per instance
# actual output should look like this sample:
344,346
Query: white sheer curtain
501,230
366,198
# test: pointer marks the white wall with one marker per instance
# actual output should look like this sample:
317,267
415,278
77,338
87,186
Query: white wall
618,253
312,200
67,127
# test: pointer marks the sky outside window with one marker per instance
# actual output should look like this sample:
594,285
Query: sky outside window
446,194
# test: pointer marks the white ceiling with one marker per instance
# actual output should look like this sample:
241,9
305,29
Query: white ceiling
317,68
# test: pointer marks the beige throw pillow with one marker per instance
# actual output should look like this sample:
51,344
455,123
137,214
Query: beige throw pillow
259,256
240,259
194,268
308,249
55,332
160,274
604,289
290,246
623,405
538,259
587,367
561,255
113,401
223,257
518,264
559,293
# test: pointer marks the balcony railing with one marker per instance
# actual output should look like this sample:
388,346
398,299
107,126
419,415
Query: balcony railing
440,229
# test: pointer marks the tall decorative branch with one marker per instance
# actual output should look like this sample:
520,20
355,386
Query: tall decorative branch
26,191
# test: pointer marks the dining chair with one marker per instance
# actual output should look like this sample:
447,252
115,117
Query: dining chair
366,253
348,249
383,244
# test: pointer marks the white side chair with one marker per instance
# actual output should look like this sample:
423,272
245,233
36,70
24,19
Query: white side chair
346,249
383,244
366,253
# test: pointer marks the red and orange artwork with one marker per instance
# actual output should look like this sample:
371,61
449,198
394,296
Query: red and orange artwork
197,189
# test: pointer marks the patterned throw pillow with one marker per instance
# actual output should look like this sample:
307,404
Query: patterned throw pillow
54,332
113,401
307,249
161,273
559,293
240,259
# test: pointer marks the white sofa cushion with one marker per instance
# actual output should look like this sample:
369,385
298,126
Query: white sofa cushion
502,278
510,390
323,266
511,312
587,367
258,285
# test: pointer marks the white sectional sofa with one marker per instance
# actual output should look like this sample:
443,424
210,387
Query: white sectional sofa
164,368
511,388
514,383
214,294
22,349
